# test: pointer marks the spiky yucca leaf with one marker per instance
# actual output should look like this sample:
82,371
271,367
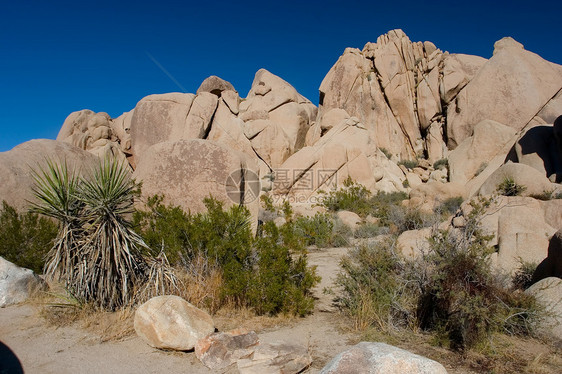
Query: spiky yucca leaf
55,192
113,267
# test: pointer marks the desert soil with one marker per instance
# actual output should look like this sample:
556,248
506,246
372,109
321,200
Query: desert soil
41,348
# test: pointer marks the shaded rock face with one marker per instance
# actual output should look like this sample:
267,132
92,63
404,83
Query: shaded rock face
17,284
551,266
170,322
396,88
540,147
17,164
379,358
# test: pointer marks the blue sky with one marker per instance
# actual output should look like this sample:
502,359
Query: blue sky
58,57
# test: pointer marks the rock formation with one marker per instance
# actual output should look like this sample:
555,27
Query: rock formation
466,123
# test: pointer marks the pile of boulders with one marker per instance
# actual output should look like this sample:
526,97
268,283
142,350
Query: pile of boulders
170,322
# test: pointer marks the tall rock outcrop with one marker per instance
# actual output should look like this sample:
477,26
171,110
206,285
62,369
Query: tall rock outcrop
515,87
398,90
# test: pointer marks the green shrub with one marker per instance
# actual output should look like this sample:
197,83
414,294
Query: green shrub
441,164
523,276
386,152
25,238
450,290
508,187
547,195
372,290
268,273
409,164
341,234
449,206
315,230
461,298
369,230
353,197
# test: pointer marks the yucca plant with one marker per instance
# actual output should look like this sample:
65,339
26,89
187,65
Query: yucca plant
97,255
112,266
55,193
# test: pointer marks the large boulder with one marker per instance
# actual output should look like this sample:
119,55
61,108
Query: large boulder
215,85
17,164
489,139
548,292
276,118
381,358
430,195
534,182
396,88
511,88
350,219
188,171
170,117
170,322
519,230
92,132
17,284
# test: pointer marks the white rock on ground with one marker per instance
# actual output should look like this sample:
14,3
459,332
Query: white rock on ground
170,322
17,284
381,358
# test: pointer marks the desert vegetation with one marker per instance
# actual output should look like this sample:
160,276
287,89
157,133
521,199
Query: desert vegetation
111,256
450,291
25,238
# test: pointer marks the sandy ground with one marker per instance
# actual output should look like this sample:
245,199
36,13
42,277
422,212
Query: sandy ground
40,348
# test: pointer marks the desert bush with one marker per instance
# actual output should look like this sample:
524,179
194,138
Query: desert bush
523,276
461,298
352,196
400,218
449,206
322,230
373,292
547,195
508,187
409,164
25,238
268,273
315,230
450,290
441,164
369,230
340,234
386,152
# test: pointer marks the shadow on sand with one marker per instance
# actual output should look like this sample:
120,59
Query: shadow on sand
9,363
